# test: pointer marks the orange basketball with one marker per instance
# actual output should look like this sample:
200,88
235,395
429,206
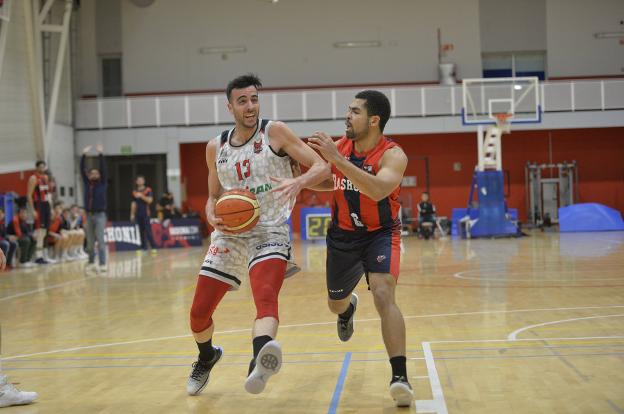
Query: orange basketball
239,210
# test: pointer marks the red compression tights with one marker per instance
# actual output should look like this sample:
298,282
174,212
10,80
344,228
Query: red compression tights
208,294
266,280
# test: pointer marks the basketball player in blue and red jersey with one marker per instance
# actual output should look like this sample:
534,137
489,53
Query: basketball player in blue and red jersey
140,212
255,154
364,237
39,203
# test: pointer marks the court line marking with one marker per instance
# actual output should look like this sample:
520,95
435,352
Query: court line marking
69,282
340,384
472,341
143,356
301,325
494,277
438,404
513,336
43,289
445,358
303,362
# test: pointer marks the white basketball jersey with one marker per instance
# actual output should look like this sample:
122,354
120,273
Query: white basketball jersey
251,166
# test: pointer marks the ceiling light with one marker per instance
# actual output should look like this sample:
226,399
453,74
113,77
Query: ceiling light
608,35
358,43
222,50
518,87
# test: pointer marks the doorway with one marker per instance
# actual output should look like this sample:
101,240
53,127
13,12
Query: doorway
122,172
550,198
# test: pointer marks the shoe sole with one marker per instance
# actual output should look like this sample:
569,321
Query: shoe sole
401,394
268,363
291,271
353,295
208,377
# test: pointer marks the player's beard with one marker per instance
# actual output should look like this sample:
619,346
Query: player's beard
353,135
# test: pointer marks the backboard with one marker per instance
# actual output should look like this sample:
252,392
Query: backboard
484,98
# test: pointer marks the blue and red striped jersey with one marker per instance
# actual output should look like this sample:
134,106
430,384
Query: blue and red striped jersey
352,210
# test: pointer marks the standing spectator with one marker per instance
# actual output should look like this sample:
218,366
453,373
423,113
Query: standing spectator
39,200
142,198
21,230
95,188
8,243
426,216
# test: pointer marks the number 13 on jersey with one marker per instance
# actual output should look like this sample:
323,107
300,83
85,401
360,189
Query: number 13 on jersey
243,169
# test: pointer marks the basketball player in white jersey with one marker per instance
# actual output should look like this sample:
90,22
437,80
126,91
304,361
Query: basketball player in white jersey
256,155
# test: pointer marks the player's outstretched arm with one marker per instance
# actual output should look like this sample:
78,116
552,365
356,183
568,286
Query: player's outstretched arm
283,139
391,167
327,185
214,186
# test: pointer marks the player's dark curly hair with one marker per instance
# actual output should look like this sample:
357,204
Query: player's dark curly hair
376,104
242,82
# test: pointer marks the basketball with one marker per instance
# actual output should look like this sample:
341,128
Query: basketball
239,210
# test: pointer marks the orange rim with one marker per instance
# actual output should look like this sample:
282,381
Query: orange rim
502,117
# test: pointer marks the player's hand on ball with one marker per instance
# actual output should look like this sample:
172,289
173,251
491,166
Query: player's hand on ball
216,223
288,188
324,144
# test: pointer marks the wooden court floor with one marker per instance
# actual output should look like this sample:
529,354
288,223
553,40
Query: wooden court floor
531,325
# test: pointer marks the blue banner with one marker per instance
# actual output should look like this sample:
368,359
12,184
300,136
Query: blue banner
125,235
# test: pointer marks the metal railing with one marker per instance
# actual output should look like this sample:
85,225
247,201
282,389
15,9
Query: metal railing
327,104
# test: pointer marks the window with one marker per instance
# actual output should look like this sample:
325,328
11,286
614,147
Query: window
111,76
514,64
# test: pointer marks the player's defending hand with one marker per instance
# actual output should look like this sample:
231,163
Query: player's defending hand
99,148
324,144
288,188
86,149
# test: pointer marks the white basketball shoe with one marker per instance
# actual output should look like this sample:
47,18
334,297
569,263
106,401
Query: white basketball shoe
267,363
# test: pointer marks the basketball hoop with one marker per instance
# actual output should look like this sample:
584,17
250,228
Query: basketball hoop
502,118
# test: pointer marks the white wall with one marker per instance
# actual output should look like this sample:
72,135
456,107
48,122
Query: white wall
99,29
87,50
289,43
108,26
65,100
512,25
17,143
62,161
572,48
